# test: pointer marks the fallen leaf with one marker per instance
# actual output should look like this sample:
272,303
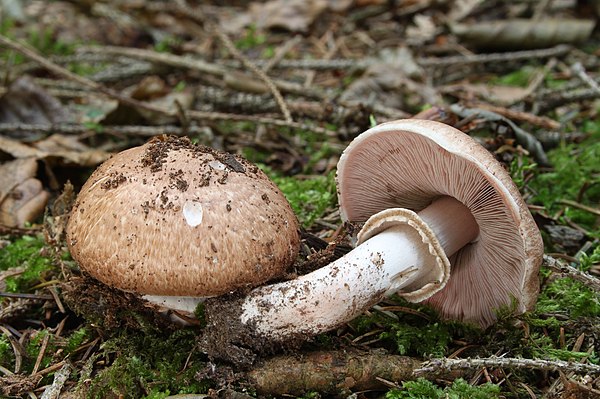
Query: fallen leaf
423,29
387,81
291,15
26,102
57,148
22,196
68,149
501,95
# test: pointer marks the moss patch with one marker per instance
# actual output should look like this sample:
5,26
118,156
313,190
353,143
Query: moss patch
28,253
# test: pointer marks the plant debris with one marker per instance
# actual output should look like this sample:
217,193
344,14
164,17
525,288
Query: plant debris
287,85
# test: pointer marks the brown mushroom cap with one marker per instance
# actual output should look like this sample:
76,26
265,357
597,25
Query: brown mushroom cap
176,219
408,164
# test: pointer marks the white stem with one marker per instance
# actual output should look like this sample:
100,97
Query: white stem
182,303
328,297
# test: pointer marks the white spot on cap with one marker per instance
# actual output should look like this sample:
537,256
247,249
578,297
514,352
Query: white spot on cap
192,212
216,165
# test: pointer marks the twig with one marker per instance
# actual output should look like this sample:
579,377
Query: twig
562,97
330,371
194,16
314,64
526,139
257,71
73,128
587,79
541,121
496,57
18,349
18,231
574,204
361,64
60,377
445,364
569,271
41,354
21,295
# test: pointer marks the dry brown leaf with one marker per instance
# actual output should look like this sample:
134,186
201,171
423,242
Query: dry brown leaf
56,148
291,15
69,149
388,80
14,172
22,196
26,102
518,34
423,29
500,95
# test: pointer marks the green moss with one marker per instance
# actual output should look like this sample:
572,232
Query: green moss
311,197
460,389
7,358
575,177
414,335
76,339
252,38
45,42
34,346
149,364
564,295
587,261
520,169
518,78
25,252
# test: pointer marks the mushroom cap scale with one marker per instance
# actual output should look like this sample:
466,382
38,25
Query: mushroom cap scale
172,218
419,161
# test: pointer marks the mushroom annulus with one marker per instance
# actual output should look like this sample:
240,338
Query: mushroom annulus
177,222
444,224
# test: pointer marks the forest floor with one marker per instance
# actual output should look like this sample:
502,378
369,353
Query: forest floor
288,85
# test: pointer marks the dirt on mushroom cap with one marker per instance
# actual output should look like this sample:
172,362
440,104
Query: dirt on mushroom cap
175,218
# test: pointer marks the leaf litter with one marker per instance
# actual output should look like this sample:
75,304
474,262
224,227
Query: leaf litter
158,69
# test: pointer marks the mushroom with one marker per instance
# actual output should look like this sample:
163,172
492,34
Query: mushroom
177,222
444,224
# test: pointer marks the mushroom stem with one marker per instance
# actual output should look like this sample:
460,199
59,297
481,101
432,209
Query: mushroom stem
452,223
394,259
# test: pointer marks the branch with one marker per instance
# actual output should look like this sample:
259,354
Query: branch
334,372
445,364
569,271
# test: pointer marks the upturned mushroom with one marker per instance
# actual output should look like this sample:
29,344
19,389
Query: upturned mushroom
444,224
176,222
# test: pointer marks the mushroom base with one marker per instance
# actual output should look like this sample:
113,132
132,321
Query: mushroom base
180,303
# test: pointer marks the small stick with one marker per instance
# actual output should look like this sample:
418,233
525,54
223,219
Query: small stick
76,128
444,364
60,377
587,79
574,204
496,57
541,121
41,354
569,271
